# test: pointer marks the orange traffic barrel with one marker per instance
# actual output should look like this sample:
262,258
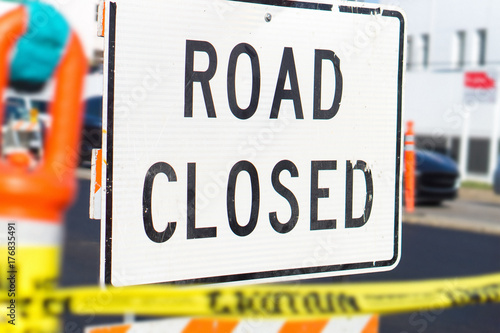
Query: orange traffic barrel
34,195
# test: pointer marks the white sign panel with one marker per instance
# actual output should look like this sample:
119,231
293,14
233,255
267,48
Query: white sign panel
251,140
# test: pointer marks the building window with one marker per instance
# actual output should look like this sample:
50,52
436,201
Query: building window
459,50
425,50
481,47
479,156
409,53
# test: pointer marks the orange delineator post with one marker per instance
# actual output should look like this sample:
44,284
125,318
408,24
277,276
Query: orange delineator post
35,195
410,165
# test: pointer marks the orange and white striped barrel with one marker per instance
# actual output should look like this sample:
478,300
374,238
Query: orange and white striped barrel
362,324
34,196
410,165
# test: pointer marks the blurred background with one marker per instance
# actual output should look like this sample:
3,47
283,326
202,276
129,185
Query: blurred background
452,72
26,118
451,81
451,94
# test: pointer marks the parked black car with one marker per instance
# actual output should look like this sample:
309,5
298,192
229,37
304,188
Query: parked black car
92,129
496,180
437,177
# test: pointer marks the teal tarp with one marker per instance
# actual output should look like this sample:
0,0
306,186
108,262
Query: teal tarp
39,51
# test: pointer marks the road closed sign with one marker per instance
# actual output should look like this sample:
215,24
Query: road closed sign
251,140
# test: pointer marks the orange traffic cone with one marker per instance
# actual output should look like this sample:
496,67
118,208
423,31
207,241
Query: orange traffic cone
34,195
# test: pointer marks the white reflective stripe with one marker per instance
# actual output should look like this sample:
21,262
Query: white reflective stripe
173,325
31,233
352,324
5,7
410,138
261,326
409,147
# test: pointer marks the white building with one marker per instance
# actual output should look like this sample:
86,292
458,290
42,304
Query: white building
449,40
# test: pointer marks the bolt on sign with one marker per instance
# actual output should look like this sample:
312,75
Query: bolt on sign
251,140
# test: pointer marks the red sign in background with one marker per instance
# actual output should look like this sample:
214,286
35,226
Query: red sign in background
479,80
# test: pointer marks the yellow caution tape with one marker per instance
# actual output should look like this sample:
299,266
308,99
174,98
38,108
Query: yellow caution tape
274,301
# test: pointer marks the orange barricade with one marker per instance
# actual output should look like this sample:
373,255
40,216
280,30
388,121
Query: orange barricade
361,324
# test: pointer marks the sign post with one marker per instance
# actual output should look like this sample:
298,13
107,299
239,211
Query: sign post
250,141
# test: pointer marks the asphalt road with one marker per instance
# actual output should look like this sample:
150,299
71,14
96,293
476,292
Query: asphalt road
474,211
430,252
431,249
